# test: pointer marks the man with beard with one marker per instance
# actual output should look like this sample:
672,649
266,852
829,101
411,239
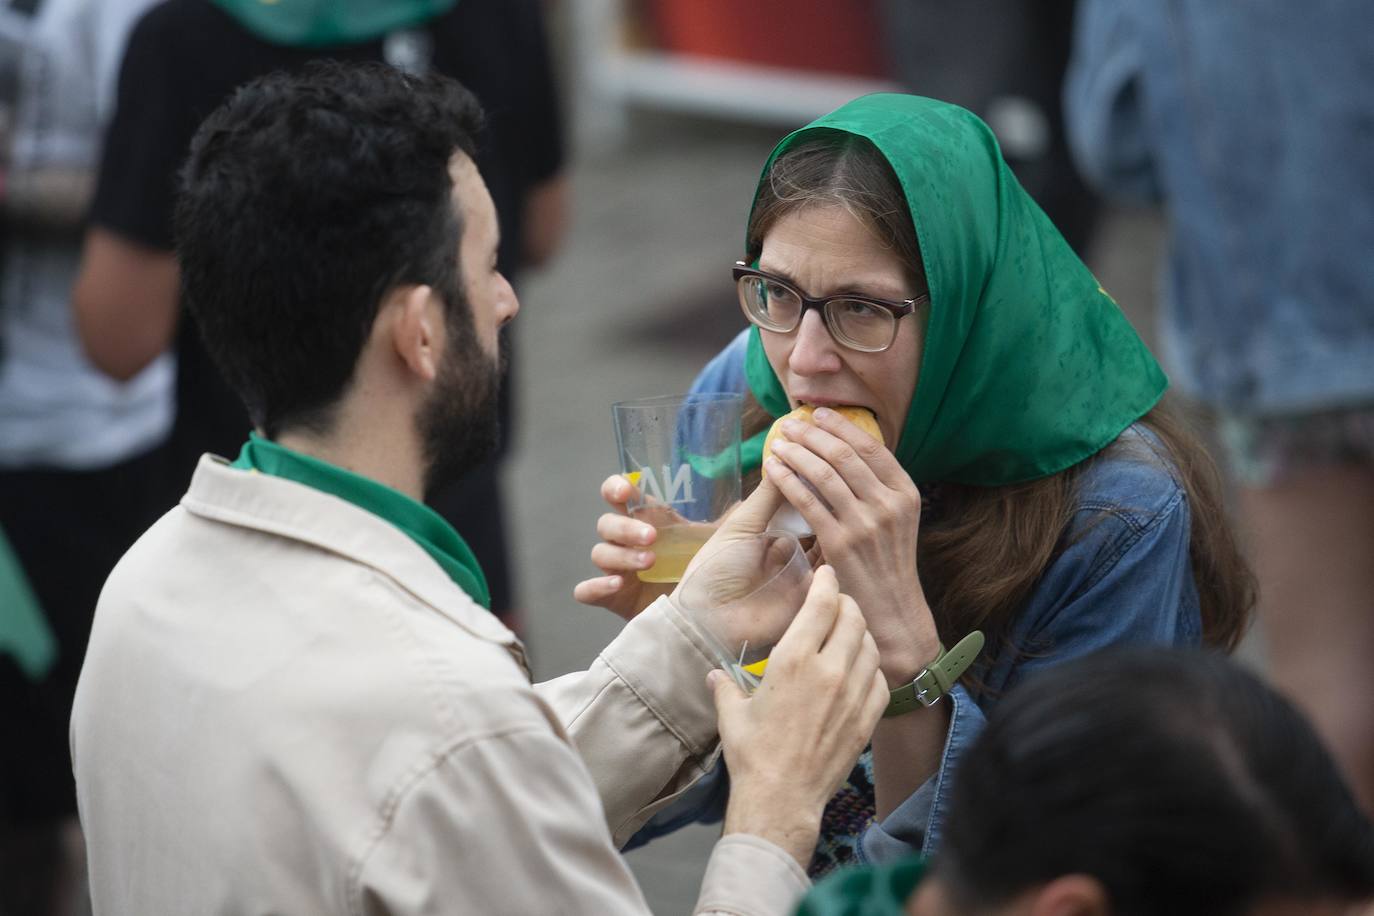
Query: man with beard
293,700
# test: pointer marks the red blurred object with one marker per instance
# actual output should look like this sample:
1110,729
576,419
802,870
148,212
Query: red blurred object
830,36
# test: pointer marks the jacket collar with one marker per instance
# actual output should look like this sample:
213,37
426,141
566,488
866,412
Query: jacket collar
284,508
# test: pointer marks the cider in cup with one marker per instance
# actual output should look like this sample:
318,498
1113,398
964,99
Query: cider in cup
681,453
673,550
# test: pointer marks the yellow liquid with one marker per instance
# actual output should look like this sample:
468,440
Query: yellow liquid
673,550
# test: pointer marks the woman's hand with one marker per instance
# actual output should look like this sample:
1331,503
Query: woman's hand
626,542
625,549
866,521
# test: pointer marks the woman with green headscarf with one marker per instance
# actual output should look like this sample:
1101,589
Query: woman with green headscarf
1028,485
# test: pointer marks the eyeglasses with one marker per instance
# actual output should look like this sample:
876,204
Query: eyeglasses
861,323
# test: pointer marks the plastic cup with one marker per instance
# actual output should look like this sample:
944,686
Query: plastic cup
742,597
682,455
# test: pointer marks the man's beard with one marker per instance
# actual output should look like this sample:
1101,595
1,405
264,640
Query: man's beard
460,425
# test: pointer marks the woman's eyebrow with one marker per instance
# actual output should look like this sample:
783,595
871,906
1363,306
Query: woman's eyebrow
853,289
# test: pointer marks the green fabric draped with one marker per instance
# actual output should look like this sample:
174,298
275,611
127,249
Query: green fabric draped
24,632
320,23
420,523
875,890
1029,367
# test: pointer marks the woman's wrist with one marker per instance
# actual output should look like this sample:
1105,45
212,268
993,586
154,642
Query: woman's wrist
905,652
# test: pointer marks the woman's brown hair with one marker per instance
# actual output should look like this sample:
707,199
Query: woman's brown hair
982,549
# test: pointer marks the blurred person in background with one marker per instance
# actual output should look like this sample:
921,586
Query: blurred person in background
78,451
183,60
1179,784
1254,125
1004,60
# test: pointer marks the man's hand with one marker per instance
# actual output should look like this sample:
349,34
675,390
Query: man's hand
790,745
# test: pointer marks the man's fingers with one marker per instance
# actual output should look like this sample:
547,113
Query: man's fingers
816,618
753,515
724,691
847,636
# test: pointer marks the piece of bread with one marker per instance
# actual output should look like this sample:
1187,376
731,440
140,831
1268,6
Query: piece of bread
861,417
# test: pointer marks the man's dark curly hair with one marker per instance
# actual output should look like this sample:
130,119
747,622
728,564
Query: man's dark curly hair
305,199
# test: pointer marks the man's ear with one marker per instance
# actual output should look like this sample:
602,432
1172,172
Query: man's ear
417,329
1071,895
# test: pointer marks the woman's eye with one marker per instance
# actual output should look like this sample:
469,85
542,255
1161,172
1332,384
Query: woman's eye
777,291
855,309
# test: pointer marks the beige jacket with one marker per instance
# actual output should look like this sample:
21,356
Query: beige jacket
288,708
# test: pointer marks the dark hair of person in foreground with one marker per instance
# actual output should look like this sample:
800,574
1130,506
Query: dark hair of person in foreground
1178,781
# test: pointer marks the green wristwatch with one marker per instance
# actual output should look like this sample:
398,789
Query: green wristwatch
938,678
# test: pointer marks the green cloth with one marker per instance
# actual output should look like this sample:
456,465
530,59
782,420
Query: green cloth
320,23
1029,366
880,890
422,524
24,632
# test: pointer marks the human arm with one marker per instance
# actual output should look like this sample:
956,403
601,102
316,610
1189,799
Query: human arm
1122,578
527,802
545,220
1104,104
511,823
866,519
126,300
126,297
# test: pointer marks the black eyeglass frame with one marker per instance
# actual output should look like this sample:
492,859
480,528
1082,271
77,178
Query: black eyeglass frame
898,308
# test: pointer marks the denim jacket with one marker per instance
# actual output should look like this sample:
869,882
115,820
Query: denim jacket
1124,579
1254,123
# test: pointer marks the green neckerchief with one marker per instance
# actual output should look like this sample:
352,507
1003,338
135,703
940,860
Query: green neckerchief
869,891
320,23
24,631
1029,366
421,524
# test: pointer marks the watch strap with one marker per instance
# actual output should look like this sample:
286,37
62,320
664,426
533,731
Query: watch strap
938,678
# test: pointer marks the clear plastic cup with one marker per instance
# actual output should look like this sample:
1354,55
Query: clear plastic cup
742,597
682,455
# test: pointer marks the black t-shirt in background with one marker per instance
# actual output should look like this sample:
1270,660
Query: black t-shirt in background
186,56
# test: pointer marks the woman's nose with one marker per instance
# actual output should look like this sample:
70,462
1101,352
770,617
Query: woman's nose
814,350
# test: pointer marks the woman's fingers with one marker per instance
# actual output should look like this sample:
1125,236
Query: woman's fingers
625,531
870,451
818,472
614,559
618,492
839,453
801,496
600,591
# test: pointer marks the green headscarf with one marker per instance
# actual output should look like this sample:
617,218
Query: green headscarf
320,23
1029,366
